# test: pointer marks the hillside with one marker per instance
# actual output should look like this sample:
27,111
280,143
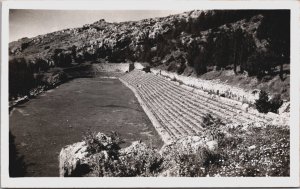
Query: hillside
197,94
251,43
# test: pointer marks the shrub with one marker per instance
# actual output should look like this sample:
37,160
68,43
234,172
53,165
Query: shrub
197,164
137,161
275,103
97,143
264,105
110,160
212,127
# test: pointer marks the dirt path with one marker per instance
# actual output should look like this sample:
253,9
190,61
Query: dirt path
61,116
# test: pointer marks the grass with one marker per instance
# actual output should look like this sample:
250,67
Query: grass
83,104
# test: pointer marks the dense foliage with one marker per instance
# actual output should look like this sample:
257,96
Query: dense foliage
21,77
264,104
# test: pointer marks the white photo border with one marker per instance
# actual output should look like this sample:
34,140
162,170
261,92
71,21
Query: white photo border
155,182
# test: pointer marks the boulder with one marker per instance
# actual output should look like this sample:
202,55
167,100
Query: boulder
245,107
189,144
76,159
71,159
138,159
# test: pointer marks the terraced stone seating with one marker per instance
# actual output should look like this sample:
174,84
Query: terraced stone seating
179,109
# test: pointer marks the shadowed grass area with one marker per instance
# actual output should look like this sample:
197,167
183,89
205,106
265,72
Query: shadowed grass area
61,116
17,166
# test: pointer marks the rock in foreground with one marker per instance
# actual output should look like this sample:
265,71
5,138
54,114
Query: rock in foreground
136,160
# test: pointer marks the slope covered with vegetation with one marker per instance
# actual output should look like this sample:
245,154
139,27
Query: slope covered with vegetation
217,151
251,42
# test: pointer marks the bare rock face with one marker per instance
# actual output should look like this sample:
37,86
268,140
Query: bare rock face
75,159
71,158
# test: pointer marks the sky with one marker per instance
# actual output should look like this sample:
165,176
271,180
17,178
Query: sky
30,23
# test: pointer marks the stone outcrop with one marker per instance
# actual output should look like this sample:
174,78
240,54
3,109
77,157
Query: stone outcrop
76,160
71,158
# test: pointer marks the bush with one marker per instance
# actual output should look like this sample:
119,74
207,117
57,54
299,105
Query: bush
110,160
264,105
197,164
212,127
275,103
96,143
138,161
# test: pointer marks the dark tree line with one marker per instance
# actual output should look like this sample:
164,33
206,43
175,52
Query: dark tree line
221,50
21,77
275,28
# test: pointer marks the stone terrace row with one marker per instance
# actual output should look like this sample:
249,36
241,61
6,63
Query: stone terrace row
179,110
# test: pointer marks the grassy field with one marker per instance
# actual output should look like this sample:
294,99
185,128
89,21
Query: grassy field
63,115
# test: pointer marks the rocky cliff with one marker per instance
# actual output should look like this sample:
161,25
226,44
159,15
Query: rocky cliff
255,42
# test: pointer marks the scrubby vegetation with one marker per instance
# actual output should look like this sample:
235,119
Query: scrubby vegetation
242,151
98,144
110,161
264,104
253,42
225,151
28,79
255,152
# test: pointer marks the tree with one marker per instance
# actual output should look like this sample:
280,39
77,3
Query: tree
275,28
200,61
262,103
21,78
261,63
221,49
